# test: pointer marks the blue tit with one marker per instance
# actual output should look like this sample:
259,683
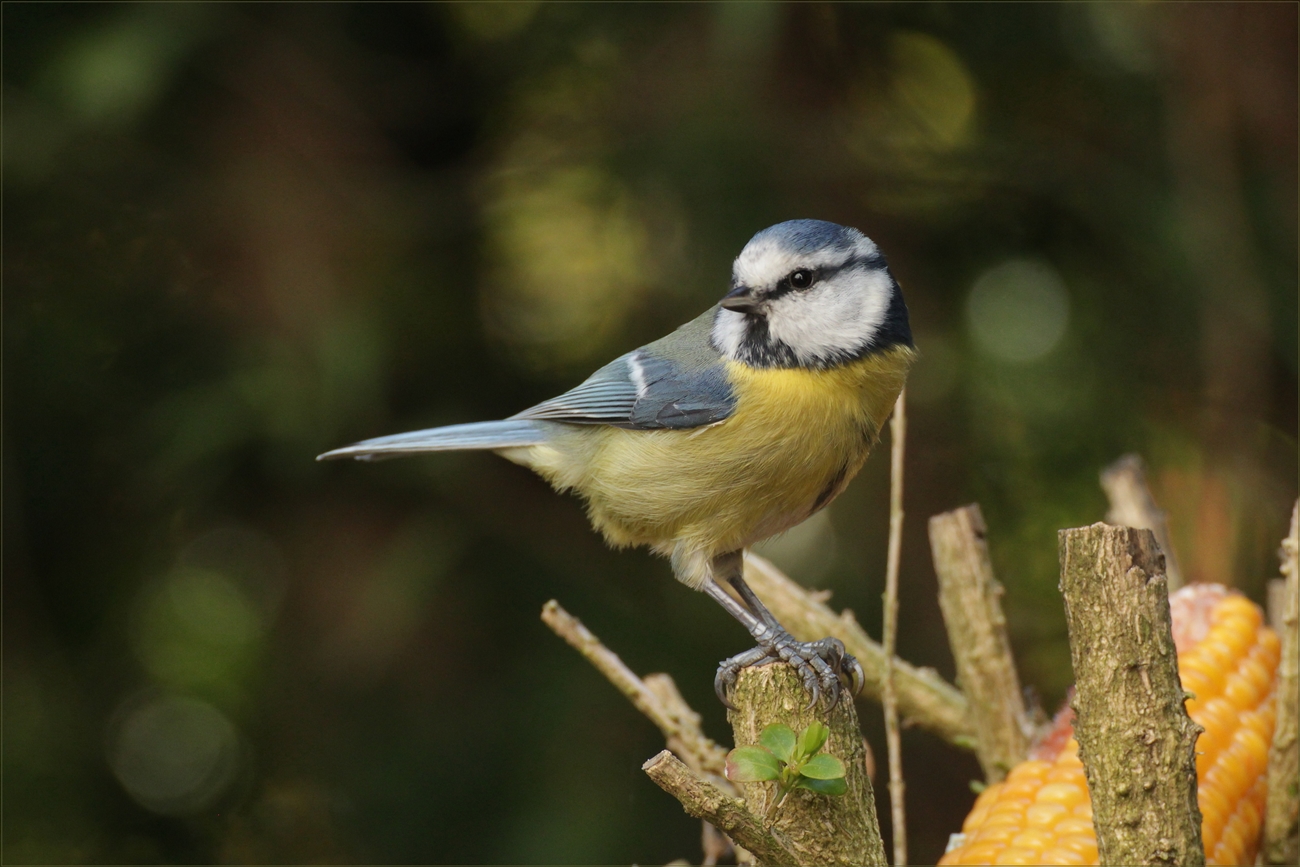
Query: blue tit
735,427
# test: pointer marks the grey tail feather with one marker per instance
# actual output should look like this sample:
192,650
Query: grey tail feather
479,435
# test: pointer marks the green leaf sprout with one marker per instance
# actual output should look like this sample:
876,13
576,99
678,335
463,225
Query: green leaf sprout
792,762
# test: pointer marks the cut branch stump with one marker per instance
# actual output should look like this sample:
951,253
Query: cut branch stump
1135,738
816,829
1131,505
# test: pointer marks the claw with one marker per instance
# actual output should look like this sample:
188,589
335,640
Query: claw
857,677
724,678
832,689
816,693
821,666
729,668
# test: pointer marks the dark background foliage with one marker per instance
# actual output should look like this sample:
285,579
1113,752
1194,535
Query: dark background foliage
237,235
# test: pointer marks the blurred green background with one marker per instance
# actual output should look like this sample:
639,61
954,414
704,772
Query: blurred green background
237,235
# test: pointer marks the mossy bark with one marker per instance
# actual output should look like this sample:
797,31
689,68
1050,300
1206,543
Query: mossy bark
816,829
1135,738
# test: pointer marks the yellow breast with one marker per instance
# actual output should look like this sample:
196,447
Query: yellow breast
795,440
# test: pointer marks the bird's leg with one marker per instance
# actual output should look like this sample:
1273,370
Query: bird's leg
819,663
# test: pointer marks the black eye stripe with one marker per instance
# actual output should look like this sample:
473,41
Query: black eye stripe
869,262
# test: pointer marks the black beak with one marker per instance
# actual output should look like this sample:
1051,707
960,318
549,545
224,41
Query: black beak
741,299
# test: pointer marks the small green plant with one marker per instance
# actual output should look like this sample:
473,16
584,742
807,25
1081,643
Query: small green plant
789,761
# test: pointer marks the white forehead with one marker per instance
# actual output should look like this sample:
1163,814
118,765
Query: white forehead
772,254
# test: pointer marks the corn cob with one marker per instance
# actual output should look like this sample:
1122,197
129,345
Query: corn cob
1227,659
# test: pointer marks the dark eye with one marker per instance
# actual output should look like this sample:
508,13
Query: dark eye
802,279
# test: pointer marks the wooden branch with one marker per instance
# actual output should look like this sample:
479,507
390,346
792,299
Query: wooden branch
702,799
656,697
924,698
1135,738
816,829
1282,819
1131,505
889,632
1275,602
970,598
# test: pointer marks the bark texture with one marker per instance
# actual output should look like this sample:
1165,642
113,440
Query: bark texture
1282,819
816,829
970,598
1135,738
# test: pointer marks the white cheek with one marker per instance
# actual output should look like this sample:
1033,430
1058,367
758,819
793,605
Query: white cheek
841,317
729,332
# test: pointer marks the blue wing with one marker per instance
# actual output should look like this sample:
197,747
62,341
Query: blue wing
676,382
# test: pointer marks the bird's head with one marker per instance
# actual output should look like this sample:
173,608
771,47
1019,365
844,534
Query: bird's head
807,293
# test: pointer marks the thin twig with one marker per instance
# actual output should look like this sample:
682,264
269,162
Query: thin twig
1282,819
656,697
1131,505
898,444
970,598
924,698
704,800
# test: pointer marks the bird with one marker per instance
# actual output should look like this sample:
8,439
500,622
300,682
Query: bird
733,428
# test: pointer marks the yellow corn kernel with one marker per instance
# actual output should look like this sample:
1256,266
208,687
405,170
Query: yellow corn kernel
1252,750
1259,673
1237,605
1215,810
1074,826
1031,770
1236,633
1014,808
1033,838
1042,814
995,833
1234,840
1268,649
980,853
1084,844
1063,793
1059,855
1243,690
1201,665
1022,789
1019,855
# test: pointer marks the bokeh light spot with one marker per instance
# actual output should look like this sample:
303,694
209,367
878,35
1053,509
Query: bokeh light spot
1018,310
196,630
490,22
173,754
571,266
933,88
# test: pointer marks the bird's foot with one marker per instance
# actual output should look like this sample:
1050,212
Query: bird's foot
820,664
